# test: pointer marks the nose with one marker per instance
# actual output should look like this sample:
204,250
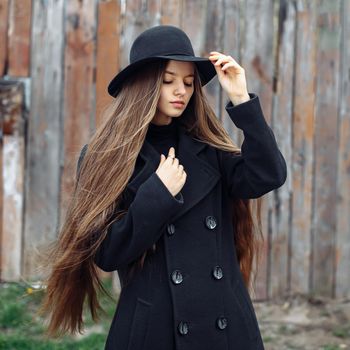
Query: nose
180,89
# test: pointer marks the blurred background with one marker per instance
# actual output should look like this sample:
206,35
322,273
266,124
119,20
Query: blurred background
56,60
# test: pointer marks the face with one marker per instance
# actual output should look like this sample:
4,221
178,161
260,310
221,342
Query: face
178,85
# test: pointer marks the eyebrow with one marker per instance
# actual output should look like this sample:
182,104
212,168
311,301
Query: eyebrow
173,73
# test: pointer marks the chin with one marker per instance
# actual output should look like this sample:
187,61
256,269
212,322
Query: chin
179,112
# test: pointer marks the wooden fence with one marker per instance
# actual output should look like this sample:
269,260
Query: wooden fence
57,57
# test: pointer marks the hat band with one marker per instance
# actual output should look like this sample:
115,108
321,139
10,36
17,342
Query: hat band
146,55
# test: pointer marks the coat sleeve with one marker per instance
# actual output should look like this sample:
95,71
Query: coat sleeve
261,167
141,226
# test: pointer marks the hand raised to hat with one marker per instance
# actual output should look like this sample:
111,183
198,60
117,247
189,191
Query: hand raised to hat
231,77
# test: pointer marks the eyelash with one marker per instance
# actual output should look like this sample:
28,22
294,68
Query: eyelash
169,82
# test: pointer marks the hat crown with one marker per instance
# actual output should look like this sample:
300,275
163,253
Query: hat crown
160,40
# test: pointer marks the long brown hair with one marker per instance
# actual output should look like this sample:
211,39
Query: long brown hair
104,173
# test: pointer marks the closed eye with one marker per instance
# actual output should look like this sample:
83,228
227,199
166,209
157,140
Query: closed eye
169,82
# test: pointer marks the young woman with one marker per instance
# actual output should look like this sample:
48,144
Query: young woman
164,197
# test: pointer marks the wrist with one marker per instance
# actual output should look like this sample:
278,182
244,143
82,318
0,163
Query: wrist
237,99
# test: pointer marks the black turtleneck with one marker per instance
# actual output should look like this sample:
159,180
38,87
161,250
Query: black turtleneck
162,137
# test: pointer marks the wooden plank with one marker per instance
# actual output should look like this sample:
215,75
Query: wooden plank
134,22
4,8
19,38
258,40
303,147
107,61
231,44
79,92
44,133
257,58
171,12
107,65
196,28
343,180
135,17
282,125
1,185
12,174
326,144
213,36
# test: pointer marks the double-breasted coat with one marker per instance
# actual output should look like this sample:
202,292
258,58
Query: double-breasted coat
190,294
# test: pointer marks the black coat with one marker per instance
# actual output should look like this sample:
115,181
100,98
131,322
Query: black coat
190,294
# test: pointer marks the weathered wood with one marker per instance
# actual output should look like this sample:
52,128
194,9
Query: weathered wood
326,144
212,41
135,19
107,61
258,43
4,8
231,43
282,125
303,147
1,185
19,38
171,12
78,88
257,58
299,69
12,175
44,133
107,66
197,31
342,263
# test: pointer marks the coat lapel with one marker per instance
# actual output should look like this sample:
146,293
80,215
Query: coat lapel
201,175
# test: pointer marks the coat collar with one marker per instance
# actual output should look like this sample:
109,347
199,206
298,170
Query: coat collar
201,175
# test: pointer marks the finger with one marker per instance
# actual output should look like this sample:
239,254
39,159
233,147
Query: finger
169,160
171,152
176,162
221,60
162,158
215,57
218,69
234,61
224,58
215,53
227,65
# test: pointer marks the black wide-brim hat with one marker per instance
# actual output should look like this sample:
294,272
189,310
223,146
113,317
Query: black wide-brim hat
161,42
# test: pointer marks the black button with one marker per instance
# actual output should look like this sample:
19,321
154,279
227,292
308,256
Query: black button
210,222
176,276
171,229
183,328
217,272
221,322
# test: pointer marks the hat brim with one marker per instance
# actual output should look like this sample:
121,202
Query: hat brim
204,65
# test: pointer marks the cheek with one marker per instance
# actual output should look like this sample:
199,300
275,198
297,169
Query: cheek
163,98
190,93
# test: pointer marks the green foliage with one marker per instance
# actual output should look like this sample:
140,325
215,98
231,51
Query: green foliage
342,332
331,347
21,328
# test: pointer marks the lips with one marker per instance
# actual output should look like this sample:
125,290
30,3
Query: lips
178,104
